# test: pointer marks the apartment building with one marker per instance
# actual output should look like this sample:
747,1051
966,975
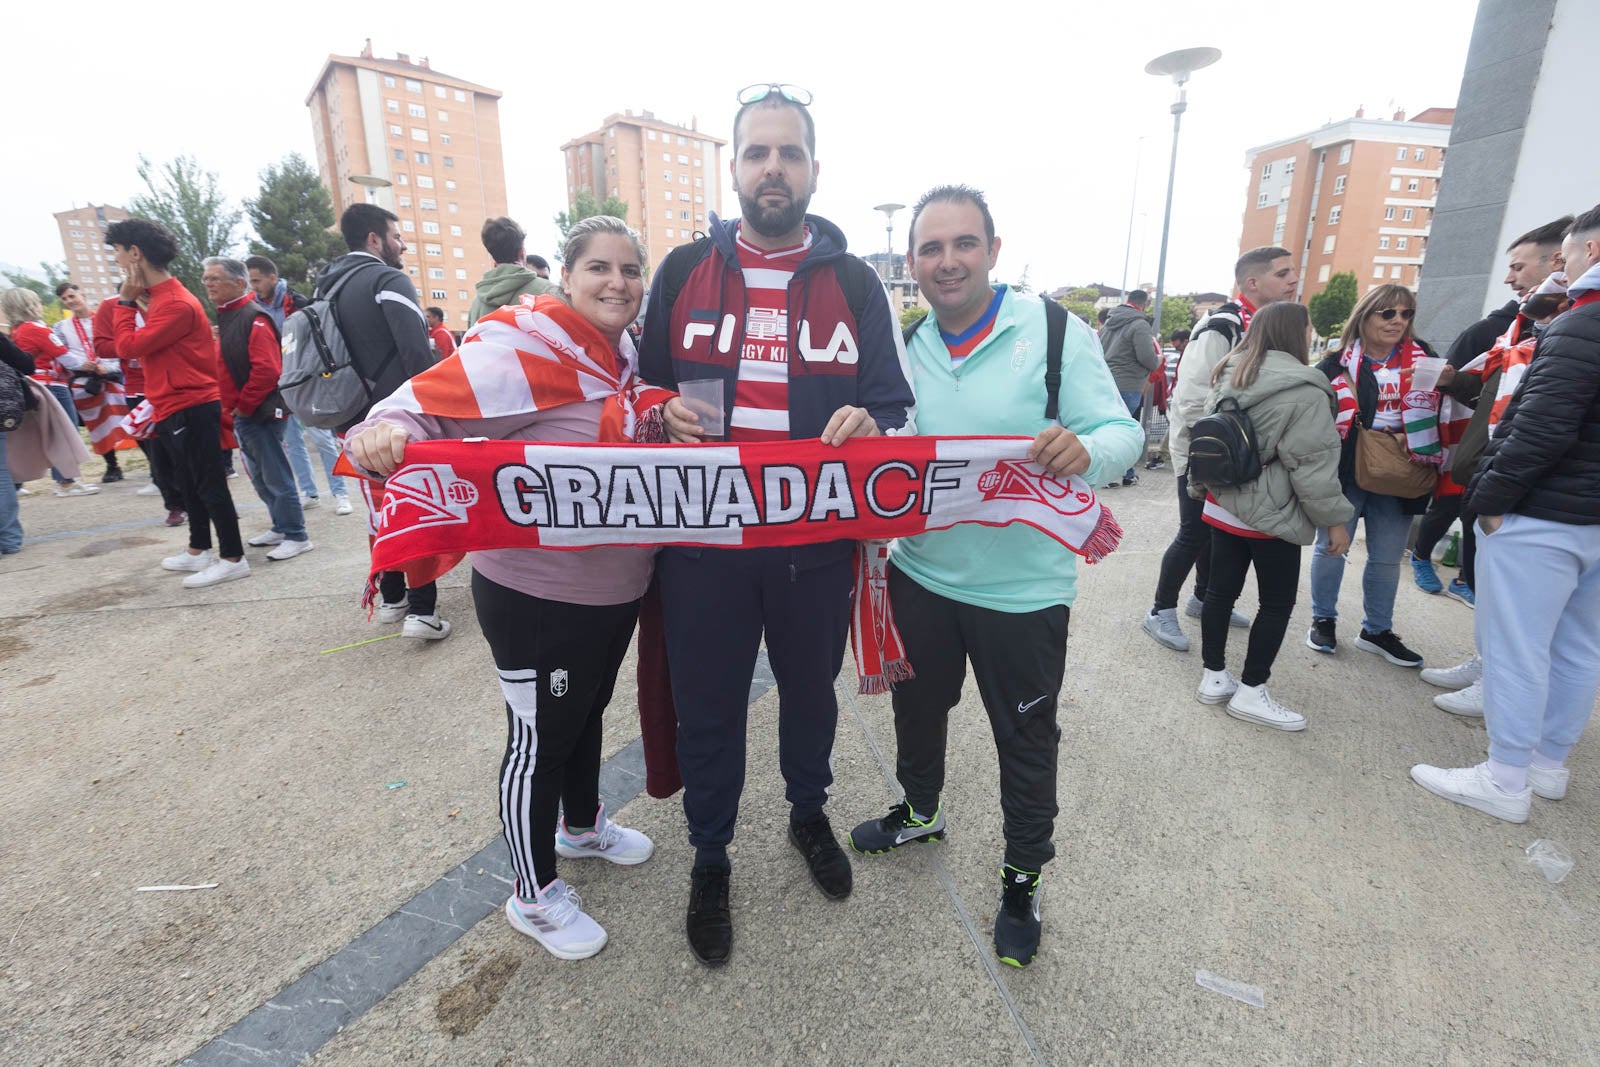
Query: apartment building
670,176
1356,195
424,145
83,248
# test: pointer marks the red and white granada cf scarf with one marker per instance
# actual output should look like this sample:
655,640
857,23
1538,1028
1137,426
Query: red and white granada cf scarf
452,497
1419,410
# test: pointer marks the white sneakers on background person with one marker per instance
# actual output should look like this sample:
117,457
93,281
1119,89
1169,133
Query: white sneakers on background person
433,627
218,572
290,549
1248,703
341,504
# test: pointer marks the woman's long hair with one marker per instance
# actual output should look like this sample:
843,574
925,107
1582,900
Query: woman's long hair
1379,299
1278,327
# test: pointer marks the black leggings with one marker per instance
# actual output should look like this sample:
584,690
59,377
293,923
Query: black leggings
1441,513
1277,564
1190,549
557,664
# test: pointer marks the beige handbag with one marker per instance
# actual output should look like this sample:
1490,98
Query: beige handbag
1383,465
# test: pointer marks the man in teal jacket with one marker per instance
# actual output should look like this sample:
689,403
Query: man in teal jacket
1000,597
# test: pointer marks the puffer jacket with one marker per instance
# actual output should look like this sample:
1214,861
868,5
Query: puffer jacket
1544,459
1291,407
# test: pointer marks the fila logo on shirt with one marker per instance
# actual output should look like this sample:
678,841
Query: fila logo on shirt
841,346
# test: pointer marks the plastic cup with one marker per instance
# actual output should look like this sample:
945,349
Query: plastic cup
703,396
1425,371
1551,857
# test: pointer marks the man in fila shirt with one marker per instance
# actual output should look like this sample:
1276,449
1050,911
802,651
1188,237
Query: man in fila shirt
1263,275
999,597
736,306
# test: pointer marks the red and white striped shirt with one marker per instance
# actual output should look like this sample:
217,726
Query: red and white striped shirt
761,395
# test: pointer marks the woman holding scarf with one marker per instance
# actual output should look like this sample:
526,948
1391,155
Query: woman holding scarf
1371,375
557,623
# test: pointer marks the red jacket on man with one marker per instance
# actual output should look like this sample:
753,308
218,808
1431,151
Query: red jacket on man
105,347
174,344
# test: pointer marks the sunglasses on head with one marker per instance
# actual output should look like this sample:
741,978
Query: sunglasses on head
754,94
1388,314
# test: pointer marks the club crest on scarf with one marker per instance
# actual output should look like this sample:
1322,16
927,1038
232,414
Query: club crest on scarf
424,495
1015,480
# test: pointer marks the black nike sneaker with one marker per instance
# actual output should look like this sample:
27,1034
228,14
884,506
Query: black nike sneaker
899,827
1016,925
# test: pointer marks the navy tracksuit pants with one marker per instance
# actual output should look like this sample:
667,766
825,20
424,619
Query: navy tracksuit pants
717,603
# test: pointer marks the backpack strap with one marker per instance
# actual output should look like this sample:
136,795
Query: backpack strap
675,270
909,330
1055,326
859,283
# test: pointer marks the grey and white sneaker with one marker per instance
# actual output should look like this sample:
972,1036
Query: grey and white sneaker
555,918
608,840
291,549
1467,702
265,538
392,612
1196,606
1163,626
1458,677
1216,687
309,502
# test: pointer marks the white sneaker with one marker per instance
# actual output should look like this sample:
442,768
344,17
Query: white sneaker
218,572
555,918
426,627
1548,783
1252,703
1458,677
1474,788
148,490
392,612
185,561
264,538
309,502
1467,702
1215,687
341,505
77,489
607,840
24,491
291,549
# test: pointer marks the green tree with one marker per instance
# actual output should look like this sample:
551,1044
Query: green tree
55,274
912,314
1331,307
1177,313
583,206
188,201
1084,309
293,218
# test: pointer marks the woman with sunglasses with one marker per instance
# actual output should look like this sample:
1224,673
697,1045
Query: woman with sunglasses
1374,364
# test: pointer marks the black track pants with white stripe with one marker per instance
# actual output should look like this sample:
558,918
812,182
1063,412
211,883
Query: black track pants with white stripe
557,664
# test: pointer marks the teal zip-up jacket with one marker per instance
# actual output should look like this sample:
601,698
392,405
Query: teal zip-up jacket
999,390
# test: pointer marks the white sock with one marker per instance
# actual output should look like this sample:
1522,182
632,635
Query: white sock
1547,763
1510,779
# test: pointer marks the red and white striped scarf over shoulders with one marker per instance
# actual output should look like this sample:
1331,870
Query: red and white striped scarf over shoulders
534,355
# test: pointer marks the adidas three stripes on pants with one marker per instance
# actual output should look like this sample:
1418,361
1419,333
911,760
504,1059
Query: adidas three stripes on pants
557,664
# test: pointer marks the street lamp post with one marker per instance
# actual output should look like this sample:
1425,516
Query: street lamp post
1177,65
888,229
371,183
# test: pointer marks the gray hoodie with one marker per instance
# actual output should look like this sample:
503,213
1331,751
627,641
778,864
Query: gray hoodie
1130,347
504,283
1292,407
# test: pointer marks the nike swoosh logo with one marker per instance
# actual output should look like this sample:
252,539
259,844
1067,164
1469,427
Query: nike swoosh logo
903,836
1024,707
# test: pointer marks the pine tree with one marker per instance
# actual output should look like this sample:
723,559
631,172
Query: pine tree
293,219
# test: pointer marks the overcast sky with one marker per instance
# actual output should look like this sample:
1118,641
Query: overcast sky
1045,107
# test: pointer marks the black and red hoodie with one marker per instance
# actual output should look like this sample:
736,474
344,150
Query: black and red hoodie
698,331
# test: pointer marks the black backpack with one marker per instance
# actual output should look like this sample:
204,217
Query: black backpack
1055,331
1223,448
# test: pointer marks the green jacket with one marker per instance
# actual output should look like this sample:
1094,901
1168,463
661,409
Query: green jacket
503,284
1292,408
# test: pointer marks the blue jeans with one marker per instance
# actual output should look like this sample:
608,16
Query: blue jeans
1387,529
10,523
1135,401
64,395
294,440
268,467
1539,613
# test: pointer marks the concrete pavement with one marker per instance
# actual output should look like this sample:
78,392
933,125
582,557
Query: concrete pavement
157,735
